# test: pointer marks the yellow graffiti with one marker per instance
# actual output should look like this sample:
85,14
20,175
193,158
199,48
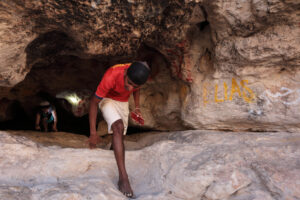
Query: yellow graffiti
246,98
234,88
216,95
243,92
225,91
204,94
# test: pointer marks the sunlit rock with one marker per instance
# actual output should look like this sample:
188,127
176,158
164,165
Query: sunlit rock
183,165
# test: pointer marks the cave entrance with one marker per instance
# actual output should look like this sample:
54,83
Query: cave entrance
67,121
63,76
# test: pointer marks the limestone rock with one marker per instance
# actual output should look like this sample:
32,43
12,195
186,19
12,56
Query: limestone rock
230,65
16,33
105,28
102,128
247,76
183,165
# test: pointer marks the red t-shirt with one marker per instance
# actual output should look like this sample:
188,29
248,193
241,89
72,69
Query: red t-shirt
112,84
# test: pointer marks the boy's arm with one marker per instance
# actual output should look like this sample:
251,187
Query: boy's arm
136,97
37,121
93,110
55,120
106,84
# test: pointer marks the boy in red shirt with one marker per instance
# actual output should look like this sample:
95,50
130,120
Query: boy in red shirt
112,95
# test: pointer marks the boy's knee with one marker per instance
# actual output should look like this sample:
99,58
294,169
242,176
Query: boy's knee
118,127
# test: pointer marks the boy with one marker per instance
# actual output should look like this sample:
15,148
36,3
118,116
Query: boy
112,96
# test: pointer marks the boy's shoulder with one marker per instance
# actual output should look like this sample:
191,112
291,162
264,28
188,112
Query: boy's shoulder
120,66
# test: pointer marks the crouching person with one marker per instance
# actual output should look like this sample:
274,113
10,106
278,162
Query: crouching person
46,118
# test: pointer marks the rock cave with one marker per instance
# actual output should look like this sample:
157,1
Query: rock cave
221,104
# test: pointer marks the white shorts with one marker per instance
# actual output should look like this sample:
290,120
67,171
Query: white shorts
112,111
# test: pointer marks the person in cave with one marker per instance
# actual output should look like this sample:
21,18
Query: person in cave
46,117
112,95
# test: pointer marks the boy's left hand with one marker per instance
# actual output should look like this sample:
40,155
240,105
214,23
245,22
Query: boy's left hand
138,112
137,116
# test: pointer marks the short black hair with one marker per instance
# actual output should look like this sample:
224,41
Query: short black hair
44,107
138,73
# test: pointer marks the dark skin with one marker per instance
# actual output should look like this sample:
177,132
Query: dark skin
118,137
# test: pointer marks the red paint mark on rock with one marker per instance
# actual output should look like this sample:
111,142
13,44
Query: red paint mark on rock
178,56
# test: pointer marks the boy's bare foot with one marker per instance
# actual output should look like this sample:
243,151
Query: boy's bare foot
125,188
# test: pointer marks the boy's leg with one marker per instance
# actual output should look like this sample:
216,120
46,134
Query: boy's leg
119,150
45,124
50,126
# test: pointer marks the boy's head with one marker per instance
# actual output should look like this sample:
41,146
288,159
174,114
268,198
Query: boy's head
45,105
137,75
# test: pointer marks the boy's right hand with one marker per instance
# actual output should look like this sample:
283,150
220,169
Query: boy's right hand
93,141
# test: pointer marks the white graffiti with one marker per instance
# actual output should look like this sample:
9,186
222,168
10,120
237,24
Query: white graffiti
284,95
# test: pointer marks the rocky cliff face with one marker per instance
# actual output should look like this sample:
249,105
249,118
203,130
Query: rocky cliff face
230,65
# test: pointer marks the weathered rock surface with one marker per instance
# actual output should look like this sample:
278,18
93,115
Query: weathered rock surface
183,165
15,34
61,139
106,28
230,65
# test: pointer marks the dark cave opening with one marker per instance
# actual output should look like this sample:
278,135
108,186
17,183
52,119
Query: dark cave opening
57,67
19,119
67,122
